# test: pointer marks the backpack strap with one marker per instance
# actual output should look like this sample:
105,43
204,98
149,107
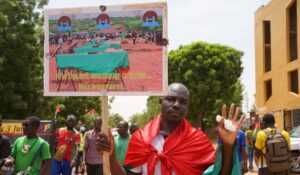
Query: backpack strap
268,133
36,153
28,169
278,131
268,136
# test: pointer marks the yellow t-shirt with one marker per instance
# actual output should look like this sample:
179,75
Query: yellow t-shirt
261,141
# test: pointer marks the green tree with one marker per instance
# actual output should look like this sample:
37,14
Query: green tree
153,106
211,72
78,106
89,120
140,118
135,118
20,57
153,109
21,68
114,120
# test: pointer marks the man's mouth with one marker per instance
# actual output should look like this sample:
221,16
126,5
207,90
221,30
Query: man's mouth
174,113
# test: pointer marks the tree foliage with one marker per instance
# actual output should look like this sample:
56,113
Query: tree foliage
114,120
211,72
153,109
20,58
78,106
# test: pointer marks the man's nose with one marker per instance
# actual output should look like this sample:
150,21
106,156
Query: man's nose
176,103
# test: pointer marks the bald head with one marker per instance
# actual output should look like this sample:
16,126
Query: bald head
178,88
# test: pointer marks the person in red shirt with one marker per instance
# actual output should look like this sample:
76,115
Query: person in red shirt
68,140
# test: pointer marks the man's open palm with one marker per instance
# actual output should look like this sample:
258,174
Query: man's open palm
229,137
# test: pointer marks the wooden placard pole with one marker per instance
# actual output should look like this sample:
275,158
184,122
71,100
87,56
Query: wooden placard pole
105,129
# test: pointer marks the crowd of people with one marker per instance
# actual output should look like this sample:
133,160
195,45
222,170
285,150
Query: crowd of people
75,150
268,147
167,145
265,147
133,36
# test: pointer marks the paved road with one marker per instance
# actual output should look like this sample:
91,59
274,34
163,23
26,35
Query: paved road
252,173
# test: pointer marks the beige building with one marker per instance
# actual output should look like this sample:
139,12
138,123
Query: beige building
277,52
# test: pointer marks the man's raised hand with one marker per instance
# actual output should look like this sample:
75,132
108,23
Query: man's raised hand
229,125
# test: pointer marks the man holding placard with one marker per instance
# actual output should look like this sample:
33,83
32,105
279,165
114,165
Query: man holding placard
169,145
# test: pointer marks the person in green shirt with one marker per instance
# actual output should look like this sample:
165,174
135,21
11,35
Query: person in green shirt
30,153
121,141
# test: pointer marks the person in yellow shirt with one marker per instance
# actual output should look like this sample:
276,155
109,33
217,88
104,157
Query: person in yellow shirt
268,123
79,168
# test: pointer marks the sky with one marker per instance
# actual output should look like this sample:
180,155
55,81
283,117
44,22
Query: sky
227,22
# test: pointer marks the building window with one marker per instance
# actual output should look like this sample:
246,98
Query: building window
296,116
267,45
292,24
268,89
293,81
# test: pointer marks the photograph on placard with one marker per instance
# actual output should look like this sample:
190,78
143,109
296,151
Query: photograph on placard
113,50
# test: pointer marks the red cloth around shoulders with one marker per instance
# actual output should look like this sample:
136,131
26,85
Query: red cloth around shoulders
186,150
